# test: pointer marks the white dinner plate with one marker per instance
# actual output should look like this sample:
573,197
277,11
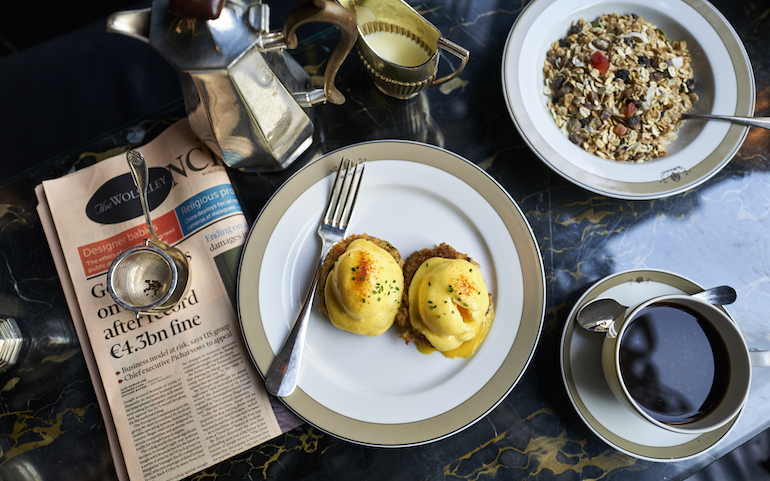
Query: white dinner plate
702,148
589,393
379,390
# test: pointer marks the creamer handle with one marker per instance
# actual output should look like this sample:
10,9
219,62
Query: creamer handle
329,12
462,53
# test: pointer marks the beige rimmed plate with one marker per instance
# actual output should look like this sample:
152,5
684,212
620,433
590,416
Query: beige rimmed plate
581,369
379,391
701,149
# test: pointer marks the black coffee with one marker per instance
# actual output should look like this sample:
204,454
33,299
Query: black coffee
674,363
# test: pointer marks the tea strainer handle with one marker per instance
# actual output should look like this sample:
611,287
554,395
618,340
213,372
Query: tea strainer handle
141,175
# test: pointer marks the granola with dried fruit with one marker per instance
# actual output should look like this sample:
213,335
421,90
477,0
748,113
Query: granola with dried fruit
618,87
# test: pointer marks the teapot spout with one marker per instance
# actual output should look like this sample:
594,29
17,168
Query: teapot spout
132,23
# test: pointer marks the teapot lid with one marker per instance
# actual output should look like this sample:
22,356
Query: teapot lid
190,43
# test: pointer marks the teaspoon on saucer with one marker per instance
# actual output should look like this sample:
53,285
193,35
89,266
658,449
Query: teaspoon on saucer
598,315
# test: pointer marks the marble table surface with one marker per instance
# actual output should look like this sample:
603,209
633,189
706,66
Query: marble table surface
716,233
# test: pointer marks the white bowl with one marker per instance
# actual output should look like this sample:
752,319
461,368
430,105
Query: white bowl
702,148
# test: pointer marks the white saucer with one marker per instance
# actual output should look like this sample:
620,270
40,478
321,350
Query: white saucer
591,396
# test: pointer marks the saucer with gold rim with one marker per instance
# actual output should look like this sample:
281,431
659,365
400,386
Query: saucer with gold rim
589,393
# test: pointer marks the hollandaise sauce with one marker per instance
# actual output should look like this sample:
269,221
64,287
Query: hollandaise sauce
449,304
468,348
363,289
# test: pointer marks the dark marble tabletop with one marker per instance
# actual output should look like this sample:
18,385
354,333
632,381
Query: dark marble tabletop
50,423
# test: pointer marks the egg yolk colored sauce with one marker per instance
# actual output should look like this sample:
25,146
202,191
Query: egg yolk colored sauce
449,305
363,289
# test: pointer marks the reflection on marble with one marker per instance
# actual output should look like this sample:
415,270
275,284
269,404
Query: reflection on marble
50,423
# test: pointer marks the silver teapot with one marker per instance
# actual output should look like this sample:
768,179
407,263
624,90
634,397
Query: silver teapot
245,96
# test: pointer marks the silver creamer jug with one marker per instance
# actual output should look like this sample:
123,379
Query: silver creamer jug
245,96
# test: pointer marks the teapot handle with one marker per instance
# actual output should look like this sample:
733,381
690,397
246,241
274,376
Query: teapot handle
330,12
198,9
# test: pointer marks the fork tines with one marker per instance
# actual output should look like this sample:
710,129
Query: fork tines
344,194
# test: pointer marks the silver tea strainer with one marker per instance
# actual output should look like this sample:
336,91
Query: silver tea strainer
142,278
152,277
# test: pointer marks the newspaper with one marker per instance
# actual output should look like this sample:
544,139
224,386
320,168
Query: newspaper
178,390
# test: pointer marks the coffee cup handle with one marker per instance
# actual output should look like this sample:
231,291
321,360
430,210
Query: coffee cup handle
462,53
759,358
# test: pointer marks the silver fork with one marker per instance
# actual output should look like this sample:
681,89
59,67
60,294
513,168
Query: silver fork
281,378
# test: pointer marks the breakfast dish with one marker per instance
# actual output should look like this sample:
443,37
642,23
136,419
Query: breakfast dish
618,86
352,386
446,305
589,393
719,63
360,285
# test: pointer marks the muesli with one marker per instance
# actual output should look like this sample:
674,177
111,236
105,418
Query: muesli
618,87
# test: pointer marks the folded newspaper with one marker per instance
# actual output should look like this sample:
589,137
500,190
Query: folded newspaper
177,390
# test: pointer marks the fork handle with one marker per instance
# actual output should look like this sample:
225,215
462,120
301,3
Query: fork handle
282,376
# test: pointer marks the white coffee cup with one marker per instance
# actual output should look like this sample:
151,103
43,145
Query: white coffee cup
735,360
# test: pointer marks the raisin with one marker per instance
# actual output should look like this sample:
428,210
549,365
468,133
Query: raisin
643,60
564,90
654,62
656,76
622,74
638,104
558,82
628,41
592,97
633,121
575,29
691,84
605,115
575,139
563,42
585,121
574,126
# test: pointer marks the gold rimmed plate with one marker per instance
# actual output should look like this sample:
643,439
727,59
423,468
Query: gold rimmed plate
380,391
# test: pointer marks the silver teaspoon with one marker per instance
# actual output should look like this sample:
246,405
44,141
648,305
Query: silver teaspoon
600,314
763,122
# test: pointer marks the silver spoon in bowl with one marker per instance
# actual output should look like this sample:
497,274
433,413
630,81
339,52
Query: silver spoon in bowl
599,315
763,122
